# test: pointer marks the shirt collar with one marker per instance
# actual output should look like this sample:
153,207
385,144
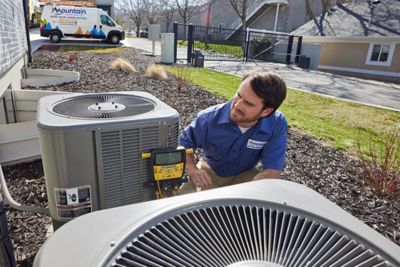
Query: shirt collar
264,124
225,113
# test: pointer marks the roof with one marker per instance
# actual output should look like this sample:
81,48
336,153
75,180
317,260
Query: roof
360,18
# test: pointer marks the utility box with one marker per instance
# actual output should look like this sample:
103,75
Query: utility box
154,32
304,62
198,59
167,48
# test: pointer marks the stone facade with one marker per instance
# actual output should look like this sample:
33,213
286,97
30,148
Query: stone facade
13,43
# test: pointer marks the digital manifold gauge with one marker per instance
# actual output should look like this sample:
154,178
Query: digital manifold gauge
167,167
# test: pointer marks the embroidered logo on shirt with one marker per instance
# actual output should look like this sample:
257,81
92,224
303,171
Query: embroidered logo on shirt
253,144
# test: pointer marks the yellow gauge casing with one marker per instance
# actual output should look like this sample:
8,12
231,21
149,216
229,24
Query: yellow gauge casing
166,172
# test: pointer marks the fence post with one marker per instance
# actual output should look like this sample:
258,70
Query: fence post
298,51
247,42
7,258
289,49
175,31
190,43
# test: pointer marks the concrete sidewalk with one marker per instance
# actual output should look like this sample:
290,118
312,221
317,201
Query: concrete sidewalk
369,92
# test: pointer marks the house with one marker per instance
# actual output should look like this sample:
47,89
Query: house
361,38
273,15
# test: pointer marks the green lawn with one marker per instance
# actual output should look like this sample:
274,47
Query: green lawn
335,122
90,49
230,48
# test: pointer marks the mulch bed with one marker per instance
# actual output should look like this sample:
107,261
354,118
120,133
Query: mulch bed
328,171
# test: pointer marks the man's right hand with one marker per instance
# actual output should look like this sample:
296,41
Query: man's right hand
199,178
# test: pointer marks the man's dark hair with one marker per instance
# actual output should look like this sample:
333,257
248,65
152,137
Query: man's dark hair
269,86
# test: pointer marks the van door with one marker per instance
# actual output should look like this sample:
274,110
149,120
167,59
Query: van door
107,24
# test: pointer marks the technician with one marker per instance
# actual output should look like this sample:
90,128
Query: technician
234,136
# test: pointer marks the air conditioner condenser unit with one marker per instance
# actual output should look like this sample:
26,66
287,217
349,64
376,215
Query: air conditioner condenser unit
266,223
91,149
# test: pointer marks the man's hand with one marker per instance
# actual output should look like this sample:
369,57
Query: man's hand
199,178
268,174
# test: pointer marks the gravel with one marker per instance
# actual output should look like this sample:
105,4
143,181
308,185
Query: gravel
330,172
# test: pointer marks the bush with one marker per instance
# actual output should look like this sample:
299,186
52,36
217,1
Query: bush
122,65
381,165
71,57
261,48
156,72
183,76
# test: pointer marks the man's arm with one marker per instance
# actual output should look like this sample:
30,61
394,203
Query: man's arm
199,177
268,174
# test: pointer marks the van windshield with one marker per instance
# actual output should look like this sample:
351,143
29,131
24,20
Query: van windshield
106,20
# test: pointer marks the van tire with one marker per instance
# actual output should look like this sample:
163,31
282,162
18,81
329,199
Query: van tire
55,37
114,39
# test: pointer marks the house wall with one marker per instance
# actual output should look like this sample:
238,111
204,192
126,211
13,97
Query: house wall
267,20
352,59
13,44
290,17
13,48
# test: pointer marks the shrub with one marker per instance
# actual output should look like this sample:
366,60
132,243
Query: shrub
381,165
156,72
261,48
122,65
183,76
71,57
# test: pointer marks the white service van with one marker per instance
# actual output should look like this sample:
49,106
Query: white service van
80,22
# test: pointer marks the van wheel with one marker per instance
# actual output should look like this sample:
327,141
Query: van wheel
114,39
55,37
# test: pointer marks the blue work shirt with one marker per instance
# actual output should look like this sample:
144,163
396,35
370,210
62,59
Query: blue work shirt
227,150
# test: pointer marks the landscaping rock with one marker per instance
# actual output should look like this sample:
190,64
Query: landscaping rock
330,172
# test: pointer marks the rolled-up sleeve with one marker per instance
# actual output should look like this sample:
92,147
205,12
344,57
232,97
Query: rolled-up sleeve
274,152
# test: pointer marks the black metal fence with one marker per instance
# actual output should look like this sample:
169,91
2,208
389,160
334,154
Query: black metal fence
272,46
221,44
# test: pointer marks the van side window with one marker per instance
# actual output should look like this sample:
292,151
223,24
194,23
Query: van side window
106,20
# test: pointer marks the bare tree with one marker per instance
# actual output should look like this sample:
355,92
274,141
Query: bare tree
187,9
134,10
152,10
241,7
167,12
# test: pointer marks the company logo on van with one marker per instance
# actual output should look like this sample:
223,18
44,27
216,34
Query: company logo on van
60,11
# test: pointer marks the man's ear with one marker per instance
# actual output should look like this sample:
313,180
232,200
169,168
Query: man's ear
266,112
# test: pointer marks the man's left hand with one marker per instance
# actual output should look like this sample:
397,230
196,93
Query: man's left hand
268,174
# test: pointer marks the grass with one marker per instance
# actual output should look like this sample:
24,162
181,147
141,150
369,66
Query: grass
234,49
340,124
90,49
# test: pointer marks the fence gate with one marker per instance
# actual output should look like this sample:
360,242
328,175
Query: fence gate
221,44
218,44
272,46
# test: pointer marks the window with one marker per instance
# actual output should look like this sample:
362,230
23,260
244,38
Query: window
380,54
106,20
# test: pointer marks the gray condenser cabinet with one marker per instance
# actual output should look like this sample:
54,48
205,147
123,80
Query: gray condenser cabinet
91,149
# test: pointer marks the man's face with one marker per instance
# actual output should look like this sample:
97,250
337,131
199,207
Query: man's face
247,107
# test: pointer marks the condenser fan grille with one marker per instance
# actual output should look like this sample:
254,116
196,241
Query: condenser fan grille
243,235
103,106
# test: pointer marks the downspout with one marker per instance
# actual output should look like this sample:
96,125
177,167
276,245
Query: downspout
28,40
276,16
